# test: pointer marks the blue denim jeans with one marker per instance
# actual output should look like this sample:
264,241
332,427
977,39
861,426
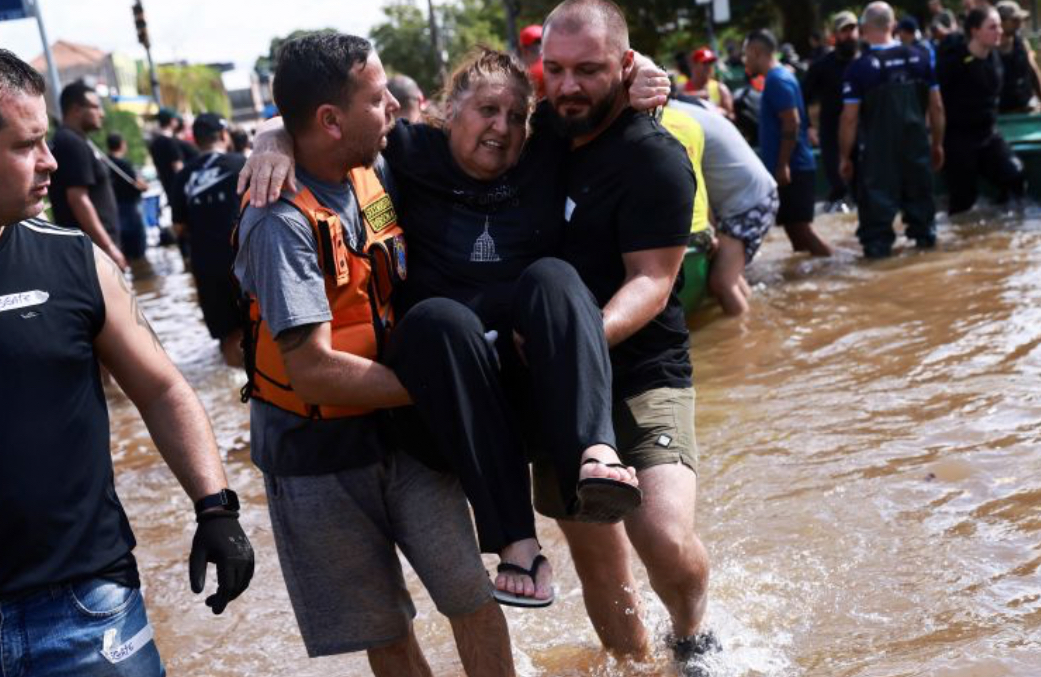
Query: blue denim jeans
93,628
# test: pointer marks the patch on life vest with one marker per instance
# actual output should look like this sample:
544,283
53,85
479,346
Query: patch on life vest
118,654
663,441
400,257
23,299
380,214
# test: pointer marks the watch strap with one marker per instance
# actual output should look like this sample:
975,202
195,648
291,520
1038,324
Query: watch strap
225,498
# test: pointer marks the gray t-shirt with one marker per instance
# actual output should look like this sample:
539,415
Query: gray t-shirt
278,263
735,177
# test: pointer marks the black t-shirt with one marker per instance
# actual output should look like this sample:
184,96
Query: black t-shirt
470,240
971,88
125,191
824,84
60,519
632,189
79,166
204,198
165,153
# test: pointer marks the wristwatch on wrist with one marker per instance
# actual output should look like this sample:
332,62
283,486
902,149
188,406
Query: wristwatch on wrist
225,498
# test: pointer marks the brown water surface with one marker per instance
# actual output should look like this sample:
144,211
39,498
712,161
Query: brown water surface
870,488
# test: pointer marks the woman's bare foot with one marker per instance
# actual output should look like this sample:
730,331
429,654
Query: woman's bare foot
523,554
606,455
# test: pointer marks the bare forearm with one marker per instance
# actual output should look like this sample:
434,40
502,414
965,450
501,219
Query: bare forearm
784,153
847,134
937,123
321,375
789,137
182,433
357,382
87,218
634,305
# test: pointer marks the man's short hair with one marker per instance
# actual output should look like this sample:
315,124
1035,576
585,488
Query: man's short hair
114,141
571,16
314,70
878,15
18,77
74,95
764,39
404,89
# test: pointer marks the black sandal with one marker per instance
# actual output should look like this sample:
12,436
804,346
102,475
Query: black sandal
510,599
603,500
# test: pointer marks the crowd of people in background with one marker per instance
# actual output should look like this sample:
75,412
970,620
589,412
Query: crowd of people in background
969,66
891,108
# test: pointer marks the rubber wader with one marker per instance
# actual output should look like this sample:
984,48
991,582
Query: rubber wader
895,172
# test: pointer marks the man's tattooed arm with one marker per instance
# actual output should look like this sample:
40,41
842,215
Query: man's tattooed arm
135,307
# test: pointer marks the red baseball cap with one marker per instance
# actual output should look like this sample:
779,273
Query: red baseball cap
703,55
530,35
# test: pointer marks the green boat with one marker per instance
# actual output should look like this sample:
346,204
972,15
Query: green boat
1022,131
695,271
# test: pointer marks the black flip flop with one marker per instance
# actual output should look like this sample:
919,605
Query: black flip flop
602,500
510,599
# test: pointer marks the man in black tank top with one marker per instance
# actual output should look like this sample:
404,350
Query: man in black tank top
69,585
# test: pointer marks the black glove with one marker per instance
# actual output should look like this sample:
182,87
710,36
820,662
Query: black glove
220,539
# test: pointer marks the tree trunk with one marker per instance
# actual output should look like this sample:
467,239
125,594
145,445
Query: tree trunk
799,18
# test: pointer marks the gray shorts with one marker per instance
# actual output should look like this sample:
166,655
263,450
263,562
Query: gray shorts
336,536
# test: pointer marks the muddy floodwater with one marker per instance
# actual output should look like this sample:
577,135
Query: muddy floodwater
870,488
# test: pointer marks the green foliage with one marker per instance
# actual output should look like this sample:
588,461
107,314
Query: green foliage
127,125
265,65
662,27
194,88
405,45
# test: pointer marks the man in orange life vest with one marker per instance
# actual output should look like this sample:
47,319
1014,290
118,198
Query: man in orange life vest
319,267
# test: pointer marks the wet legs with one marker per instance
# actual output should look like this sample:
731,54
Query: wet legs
727,279
663,534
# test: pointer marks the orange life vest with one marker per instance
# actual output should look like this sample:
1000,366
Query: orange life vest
358,283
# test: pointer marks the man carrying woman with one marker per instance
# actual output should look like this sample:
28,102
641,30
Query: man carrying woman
436,349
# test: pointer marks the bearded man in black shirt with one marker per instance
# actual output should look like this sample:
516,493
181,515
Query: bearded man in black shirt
824,84
630,198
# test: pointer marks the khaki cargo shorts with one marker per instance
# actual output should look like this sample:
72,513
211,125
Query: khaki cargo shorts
653,428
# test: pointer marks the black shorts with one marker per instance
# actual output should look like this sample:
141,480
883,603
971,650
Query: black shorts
797,199
217,300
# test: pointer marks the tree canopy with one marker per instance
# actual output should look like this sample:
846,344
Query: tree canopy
656,27
404,40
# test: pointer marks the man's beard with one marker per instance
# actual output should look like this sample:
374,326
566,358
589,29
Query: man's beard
846,49
575,127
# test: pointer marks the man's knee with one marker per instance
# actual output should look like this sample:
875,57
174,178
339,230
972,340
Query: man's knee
672,553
